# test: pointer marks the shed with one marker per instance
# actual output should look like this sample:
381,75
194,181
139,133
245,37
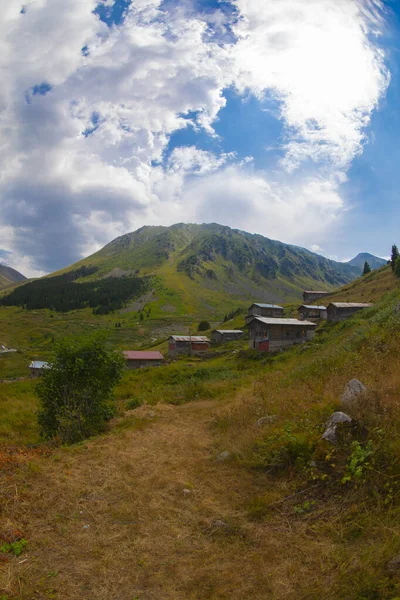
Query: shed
37,366
309,311
137,359
264,310
220,336
269,335
338,311
312,295
187,344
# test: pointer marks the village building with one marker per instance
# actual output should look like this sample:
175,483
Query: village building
264,310
187,344
338,311
137,359
311,312
270,335
220,336
37,367
312,296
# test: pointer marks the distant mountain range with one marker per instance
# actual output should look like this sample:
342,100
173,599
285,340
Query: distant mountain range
8,276
187,269
374,261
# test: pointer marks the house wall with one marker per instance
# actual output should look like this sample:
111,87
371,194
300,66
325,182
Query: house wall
305,314
278,336
178,348
225,337
310,297
339,314
138,364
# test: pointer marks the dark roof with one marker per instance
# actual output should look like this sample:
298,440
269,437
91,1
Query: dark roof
187,338
315,292
143,355
292,322
266,305
228,330
311,306
351,304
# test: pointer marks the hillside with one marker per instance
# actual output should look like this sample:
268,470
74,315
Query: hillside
9,276
202,270
374,261
213,482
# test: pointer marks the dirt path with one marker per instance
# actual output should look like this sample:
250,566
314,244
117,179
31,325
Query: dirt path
144,513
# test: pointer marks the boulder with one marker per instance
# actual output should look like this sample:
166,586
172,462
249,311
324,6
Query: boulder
353,391
330,433
224,456
266,420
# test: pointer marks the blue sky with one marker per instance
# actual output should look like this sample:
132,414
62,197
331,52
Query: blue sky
131,112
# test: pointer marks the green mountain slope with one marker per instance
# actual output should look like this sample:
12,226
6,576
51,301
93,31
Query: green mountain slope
374,261
204,269
8,276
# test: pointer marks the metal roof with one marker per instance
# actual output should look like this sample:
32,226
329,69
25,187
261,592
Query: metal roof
266,305
292,322
143,355
187,338
315,292
351,304
311,306
39,364
228,330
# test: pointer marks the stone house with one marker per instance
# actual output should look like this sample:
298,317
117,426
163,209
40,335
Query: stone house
37,367
136,359
187,344
220,336
264,310
338,311
270,335
310,312
312,296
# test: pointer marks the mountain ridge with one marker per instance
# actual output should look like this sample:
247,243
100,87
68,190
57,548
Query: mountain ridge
9,276
375,262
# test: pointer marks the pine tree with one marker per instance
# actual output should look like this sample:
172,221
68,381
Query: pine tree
367,268
394,256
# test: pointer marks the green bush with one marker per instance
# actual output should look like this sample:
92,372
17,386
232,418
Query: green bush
76,392
204,326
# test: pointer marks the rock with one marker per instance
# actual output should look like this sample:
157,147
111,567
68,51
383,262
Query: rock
352,392
393,565
330,433
151,414
224,456
219,524
266,420
186,492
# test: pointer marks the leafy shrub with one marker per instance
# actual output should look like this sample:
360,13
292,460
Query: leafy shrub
75,393
15,548
203,326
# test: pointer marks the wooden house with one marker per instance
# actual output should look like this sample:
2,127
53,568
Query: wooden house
187,344
338,311
220,336
270,335
313,295
37,367
311,313
136,359
264,310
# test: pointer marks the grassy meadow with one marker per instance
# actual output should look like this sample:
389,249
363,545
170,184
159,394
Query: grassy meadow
213,482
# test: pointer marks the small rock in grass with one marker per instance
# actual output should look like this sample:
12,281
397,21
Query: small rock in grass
330,433
186,492
224,456
393,566
151,414
266,420
352,392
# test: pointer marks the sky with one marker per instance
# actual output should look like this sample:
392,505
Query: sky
277,117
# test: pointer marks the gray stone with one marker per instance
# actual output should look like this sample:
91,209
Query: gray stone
224,456
266,420
219,524
151,414
352,393
330,433
186,492
393,565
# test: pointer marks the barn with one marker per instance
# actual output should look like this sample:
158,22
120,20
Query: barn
310,312
37,366
221,336
137,359
187,344
338,311
270,335
264,310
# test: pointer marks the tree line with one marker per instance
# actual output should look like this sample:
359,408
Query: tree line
63,293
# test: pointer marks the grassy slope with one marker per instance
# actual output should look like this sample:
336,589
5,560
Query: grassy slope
286,533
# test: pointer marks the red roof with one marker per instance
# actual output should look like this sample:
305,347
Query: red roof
146,355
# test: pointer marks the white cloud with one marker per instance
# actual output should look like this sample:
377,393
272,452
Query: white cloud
65,193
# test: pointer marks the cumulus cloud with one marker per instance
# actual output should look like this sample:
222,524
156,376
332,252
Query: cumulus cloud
87,113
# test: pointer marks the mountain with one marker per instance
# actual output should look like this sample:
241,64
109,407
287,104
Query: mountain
8,276
186,270
374,261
